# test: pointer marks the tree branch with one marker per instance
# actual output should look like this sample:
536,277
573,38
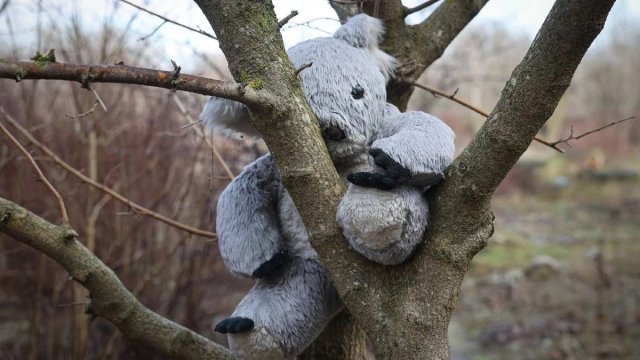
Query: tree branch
109,297
416,47
75,172
422,6
167,20
286,19
453,98
578,137
63,208
122,74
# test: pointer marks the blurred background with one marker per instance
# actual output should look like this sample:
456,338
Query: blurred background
559,279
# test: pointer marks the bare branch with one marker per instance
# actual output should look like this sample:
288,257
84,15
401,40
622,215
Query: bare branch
4,6
63,208
153,32
282,22
128,75
99,100
422,6
572,137
199,31
202,135
307,24
75,172
81,115
302,67
453,98
110,299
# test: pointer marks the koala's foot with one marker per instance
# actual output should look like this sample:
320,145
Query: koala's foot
394,173
383,225
272,266
234,325
288,310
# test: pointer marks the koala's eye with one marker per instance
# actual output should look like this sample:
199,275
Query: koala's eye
333,133
357,92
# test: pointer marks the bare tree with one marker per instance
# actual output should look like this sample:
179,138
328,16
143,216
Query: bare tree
407,308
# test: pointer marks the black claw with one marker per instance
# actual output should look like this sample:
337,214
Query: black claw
234,325
271,266
391,167
367,179
375,152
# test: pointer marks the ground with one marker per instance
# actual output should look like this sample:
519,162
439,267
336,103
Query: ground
560,278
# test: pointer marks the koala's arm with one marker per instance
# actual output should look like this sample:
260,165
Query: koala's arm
246,221
414,146
227,116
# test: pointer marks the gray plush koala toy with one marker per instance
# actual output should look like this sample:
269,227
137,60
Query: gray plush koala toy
388,158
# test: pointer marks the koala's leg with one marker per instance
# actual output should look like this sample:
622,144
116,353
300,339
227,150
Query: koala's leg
286,312
385,226
246,222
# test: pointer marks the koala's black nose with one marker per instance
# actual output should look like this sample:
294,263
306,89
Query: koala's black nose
333,133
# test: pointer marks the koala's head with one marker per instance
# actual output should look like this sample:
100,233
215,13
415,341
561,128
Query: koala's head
346,85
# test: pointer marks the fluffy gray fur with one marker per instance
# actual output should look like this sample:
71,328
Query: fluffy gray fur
256,216
289,311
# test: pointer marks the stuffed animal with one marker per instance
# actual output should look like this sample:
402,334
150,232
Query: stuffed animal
387,158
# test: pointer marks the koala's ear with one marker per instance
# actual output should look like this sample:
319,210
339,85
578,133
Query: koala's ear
364,31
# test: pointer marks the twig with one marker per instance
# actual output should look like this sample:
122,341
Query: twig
218,157
307,25
153,32
186,126
72,304
75,172
287,18
95,105
302,67
81,115
424,5
453,98
571,137
63,209
200,133
99,100
201,32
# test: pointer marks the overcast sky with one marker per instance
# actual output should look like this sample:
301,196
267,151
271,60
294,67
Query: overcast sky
521,16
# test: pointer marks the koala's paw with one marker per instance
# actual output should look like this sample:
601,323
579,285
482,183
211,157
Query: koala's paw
234,325
271,266
394,173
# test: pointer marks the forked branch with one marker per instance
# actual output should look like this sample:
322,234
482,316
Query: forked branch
574,137
554,145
